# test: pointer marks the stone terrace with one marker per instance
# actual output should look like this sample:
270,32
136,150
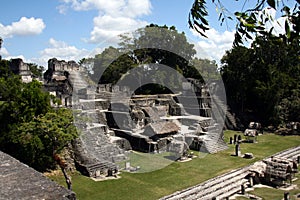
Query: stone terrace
18,181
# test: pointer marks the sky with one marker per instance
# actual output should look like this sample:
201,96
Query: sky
37,30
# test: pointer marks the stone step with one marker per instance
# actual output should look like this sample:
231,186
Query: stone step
225,185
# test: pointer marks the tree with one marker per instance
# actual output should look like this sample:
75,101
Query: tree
264,80
159,45
101,62
36,142
236,76
152,44
208,68
1,41
22,101
149,49
30,129
36,70
251,20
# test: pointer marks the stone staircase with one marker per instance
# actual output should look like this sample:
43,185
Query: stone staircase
95,151
217,188
214,141
228,184
230,121
291,153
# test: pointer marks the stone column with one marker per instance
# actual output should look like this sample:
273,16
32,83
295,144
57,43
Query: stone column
237,150
250,181
235,139
286,196
230,140
109,172
127,165
242,189
239,138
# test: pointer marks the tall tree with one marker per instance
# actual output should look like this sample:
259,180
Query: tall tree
30,129
149,48
264,79
36,142
151,44
160,45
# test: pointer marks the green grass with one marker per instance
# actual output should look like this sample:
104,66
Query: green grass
148,162
177,175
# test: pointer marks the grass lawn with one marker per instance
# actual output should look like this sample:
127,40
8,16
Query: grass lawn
178,175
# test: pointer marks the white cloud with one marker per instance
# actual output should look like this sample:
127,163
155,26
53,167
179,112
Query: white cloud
114,16
63,51
108,28
215,46
4,52
132,8
25,26
18,56
62,9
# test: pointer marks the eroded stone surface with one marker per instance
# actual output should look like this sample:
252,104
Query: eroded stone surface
18,181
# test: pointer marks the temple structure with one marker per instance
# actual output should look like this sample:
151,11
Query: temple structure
57,82
18,67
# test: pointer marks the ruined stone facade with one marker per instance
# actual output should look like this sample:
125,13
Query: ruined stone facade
112,119
57,80
18,67
58,66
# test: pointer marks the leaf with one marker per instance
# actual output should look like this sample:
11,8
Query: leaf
220,16
204,21
272,3
238,14
286,10
287,29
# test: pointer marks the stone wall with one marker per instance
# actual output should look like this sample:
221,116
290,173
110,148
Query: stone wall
18,181
61,65
18,67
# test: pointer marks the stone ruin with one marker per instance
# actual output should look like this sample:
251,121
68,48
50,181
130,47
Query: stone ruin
274,171
112,120
111,126
18,67
158,123
18,181
291,128
57,81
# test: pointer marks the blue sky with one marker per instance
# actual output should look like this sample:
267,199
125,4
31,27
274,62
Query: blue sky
37,30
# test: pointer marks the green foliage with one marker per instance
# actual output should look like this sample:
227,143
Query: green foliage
250,21
35,142
264,79
22,101
147,49
101,62
30,129
208,69
36,70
